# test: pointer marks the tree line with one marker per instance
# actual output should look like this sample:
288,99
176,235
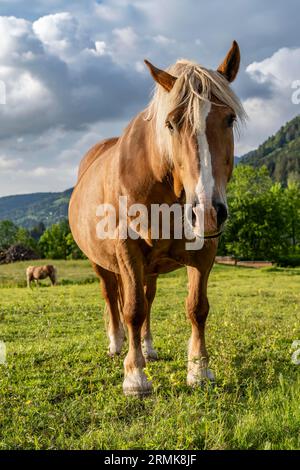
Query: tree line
264,223
55,242
264,217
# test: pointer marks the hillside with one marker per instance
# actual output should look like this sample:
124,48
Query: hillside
28,209
280,153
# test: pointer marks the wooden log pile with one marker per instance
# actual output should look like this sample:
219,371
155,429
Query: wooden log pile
17,252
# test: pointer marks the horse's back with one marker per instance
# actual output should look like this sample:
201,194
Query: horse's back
94,153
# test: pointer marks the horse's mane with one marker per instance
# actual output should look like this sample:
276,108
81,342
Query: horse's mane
194,87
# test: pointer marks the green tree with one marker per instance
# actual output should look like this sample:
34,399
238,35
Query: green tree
256,227
37,231
57,243
8,233
74,251
53,242
24,238
292,212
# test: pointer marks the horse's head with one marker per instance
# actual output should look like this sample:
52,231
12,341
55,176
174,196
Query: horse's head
194,111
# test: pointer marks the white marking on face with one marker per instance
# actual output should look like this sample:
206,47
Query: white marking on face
205,184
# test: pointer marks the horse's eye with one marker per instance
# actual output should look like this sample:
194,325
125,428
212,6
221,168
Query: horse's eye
231,120
170,126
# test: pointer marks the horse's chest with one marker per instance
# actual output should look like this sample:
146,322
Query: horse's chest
161,259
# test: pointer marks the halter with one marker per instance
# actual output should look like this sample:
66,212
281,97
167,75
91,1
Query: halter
214,235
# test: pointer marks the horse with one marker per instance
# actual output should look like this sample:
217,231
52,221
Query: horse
178,150
35,273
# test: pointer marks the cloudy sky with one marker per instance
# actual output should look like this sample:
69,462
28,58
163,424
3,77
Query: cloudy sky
74,73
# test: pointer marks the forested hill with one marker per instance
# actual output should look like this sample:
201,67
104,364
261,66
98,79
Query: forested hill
280,153
27,210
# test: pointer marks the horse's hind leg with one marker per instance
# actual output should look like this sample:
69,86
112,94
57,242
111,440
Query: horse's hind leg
147,345
109,286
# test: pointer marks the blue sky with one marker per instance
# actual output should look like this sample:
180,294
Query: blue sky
74,73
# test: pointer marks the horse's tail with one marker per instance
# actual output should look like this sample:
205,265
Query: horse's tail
120,303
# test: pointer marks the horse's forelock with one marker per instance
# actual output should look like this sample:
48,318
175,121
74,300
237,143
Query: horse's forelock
194,86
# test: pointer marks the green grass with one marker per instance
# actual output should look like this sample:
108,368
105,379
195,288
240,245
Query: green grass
60,390
70,272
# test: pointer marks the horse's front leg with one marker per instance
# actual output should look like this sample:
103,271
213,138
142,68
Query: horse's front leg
134,312
197,310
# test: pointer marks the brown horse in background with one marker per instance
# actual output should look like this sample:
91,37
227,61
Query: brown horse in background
35,273
179,150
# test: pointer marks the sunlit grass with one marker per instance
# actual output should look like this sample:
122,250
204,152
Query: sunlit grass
59,389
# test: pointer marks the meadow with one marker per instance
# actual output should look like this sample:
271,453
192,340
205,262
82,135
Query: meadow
60,390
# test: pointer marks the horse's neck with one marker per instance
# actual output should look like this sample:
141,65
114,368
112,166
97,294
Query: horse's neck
162,165
144,131
142,167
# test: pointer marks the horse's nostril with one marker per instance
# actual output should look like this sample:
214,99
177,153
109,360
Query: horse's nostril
222,213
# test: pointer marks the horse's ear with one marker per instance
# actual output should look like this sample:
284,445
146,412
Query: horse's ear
230,66
165,79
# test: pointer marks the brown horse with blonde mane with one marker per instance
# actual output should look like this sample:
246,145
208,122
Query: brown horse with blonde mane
179,150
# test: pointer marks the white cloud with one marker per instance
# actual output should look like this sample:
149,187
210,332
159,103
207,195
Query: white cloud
75,73
60,35
280,69
126,37
12,32
268,113
163,40
100,47
9,163
107,12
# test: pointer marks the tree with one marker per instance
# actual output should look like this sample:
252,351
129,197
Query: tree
292,212
57,243
257,224
37,231
53,243
24,238
8,232
73,249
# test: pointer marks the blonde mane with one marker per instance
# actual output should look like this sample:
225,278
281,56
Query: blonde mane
194,87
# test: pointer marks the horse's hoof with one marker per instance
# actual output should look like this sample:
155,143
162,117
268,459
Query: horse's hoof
201,378
136,384
151,356
113,354
149,352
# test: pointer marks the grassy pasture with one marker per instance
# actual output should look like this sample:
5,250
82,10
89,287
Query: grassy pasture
60,390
